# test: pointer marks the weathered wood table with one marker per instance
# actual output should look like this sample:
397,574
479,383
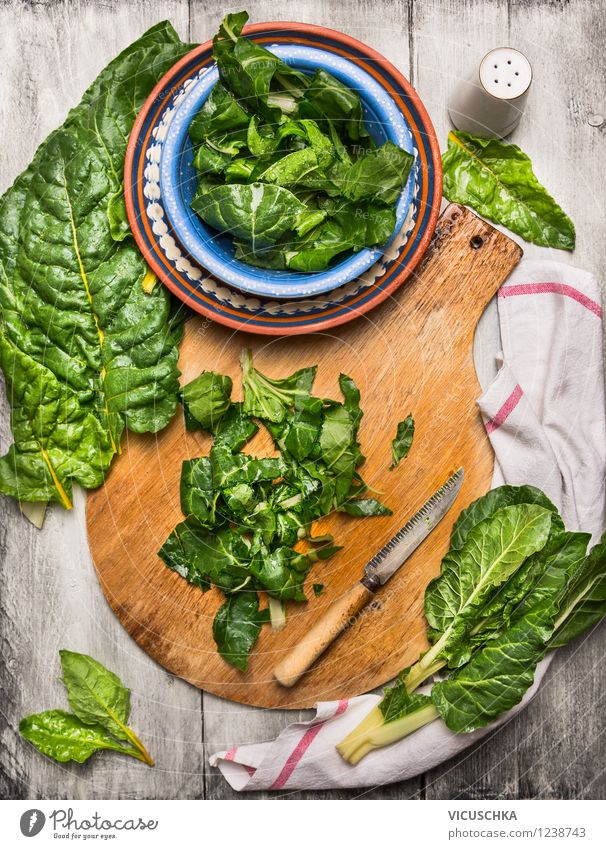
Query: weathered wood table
49,595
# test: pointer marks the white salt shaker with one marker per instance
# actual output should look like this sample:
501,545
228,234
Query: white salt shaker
490,102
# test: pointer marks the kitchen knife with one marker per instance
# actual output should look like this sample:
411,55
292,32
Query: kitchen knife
376,573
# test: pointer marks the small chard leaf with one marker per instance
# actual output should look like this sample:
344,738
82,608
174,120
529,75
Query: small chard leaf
206,399
336,438
198,497
220,114
237,626
365,507
235,429
282,572
292,169
258,213
397,702
328,98
318,589
95,694
401,444
303,433
230,469
270,399
351,396
257,77
584,603
64,737
496,179
183,552
378,175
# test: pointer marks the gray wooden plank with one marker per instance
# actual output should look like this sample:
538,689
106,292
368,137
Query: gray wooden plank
50,597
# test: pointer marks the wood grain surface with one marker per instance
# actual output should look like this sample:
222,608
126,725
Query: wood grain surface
49,595
413,353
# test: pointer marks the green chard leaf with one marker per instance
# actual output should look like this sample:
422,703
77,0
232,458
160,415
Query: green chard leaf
206,399
94,693
85,351
281,572
496,179
237,626
401,444
365,507
258,213
63,737
268,398
230,469
198,498
235,429
351,402
584,603
98,697
326,98
397,702
252,73
221,114
378,175
493,500
183,552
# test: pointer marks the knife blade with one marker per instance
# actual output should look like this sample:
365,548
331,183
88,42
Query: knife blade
394,553
377,572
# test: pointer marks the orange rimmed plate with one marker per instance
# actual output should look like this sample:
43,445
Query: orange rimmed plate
220,302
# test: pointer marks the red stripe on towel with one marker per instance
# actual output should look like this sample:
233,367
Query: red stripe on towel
506,410
230,756
302,746
552,289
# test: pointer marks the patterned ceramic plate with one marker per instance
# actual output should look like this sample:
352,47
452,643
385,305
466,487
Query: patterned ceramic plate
229,306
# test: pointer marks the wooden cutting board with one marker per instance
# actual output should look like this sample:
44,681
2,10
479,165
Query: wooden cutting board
411,354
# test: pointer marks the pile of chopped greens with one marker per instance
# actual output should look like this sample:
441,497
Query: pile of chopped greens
88,345
514,584
244,514
285,164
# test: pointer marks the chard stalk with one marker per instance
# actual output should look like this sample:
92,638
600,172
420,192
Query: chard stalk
427,666
374,733
277,613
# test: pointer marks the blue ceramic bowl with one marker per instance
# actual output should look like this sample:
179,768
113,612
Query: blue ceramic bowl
215,252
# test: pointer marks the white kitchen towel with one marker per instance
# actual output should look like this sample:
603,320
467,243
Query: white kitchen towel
544,414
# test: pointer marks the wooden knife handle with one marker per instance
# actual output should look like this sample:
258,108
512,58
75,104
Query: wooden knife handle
324,632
